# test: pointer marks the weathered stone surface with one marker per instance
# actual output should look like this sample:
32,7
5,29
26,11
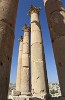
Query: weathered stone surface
57,30
36,52
56,21
35,17
6,43
16,93
18,80
6,11
59,52
21,98
25,59
25,80
26,39
18,98
26,94
26,48
25,71
35,26
26,33
36,38
57,6
35,98
39,78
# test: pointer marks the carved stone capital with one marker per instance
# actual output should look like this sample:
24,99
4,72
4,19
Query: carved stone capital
26,28
34,9
20,39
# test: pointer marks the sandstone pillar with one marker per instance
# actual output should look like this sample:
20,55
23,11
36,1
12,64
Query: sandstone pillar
18,81
56,21
39,76
8,9
25,72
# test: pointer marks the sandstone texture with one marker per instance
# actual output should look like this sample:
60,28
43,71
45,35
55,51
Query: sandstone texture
18,80
39,76
8,10
56,21
25,71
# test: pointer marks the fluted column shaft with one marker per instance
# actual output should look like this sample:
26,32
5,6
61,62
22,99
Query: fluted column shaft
25,72
18,80
39,77
56,21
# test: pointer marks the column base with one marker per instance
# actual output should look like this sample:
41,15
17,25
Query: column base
20,98
15,93
26,93
35,98
41,96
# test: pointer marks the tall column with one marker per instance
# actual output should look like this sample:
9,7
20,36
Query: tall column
25,72
39,75
18,81
56,21
8,9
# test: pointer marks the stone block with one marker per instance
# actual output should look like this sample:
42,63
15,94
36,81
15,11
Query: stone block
25,60
36,36
20,58
16,93
38,77
26,48
19,98
26,39
34,17
26,93
52,6
57,26
25,80
35,26
8,11
26,33
36,52
18,80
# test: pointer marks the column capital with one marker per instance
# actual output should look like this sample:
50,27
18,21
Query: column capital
34,9
20,39
26,28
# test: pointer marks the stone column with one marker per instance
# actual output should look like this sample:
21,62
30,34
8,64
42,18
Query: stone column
56,21
8,9
25,72
18,81
39,75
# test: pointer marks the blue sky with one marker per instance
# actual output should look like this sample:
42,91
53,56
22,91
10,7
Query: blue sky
23,18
